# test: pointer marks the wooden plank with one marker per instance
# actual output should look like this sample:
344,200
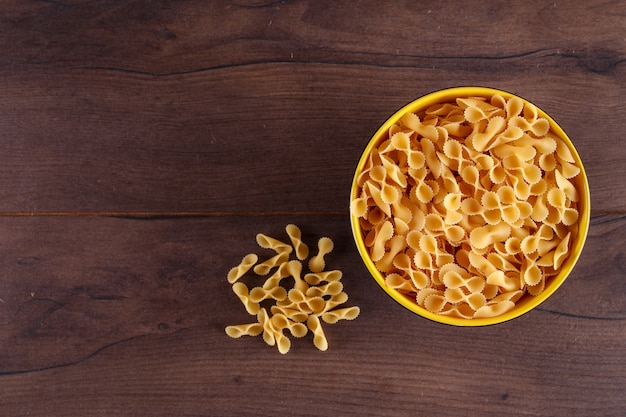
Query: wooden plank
226,141
179,37
125,316
196,107
499,371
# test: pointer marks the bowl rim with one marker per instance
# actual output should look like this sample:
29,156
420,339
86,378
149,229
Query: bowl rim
530,302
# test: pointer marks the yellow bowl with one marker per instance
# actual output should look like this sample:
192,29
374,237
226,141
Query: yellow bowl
527,302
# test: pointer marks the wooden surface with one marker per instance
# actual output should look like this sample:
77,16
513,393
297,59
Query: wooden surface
144,144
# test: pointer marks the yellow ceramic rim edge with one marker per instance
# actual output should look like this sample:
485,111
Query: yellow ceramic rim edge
530,302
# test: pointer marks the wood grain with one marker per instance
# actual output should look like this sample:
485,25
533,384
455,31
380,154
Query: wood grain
98,122
136,312
144,144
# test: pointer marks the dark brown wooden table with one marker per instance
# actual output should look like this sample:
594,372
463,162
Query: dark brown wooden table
144,144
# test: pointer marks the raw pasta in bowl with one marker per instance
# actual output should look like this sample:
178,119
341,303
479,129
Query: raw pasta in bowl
470,206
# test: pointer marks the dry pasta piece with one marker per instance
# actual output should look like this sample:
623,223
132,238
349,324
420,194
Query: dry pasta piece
268,331
268,242
282,342
435,302
309,304
241,290
294,268
506,282
315,278
478,182
331,288
264,268
531,274
302,250
240,270
483,236
319,338
278,306
395,245
274,280
493,310
399,282
258,294
292,314
566,185
334,301
413,122
348,313
560,253
251,329
281,321
317,263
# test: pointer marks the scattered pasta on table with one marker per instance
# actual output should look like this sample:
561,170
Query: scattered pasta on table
283,296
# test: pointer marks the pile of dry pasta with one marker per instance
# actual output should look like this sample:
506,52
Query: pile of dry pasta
289,298
469,205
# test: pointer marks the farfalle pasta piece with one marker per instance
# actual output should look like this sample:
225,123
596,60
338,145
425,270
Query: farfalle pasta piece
401,141
348,313
493,310
560,253
522,151
431,245
483,236
456,155
435,303
295,235
289,311
281,322
476,109
294,268
258,294
394,172
452,203
334,301
395,245
241,290
399,282
314,294
503,281
484,140
315,278
375,193
558,199
251,329
420,275
314,304
388,193
384,233
269,335
456,296
530,172
240,270
324,246
432,160
538,126
531,242
566,186
413,122
268,242
331,288
265,267
274,280
319,337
